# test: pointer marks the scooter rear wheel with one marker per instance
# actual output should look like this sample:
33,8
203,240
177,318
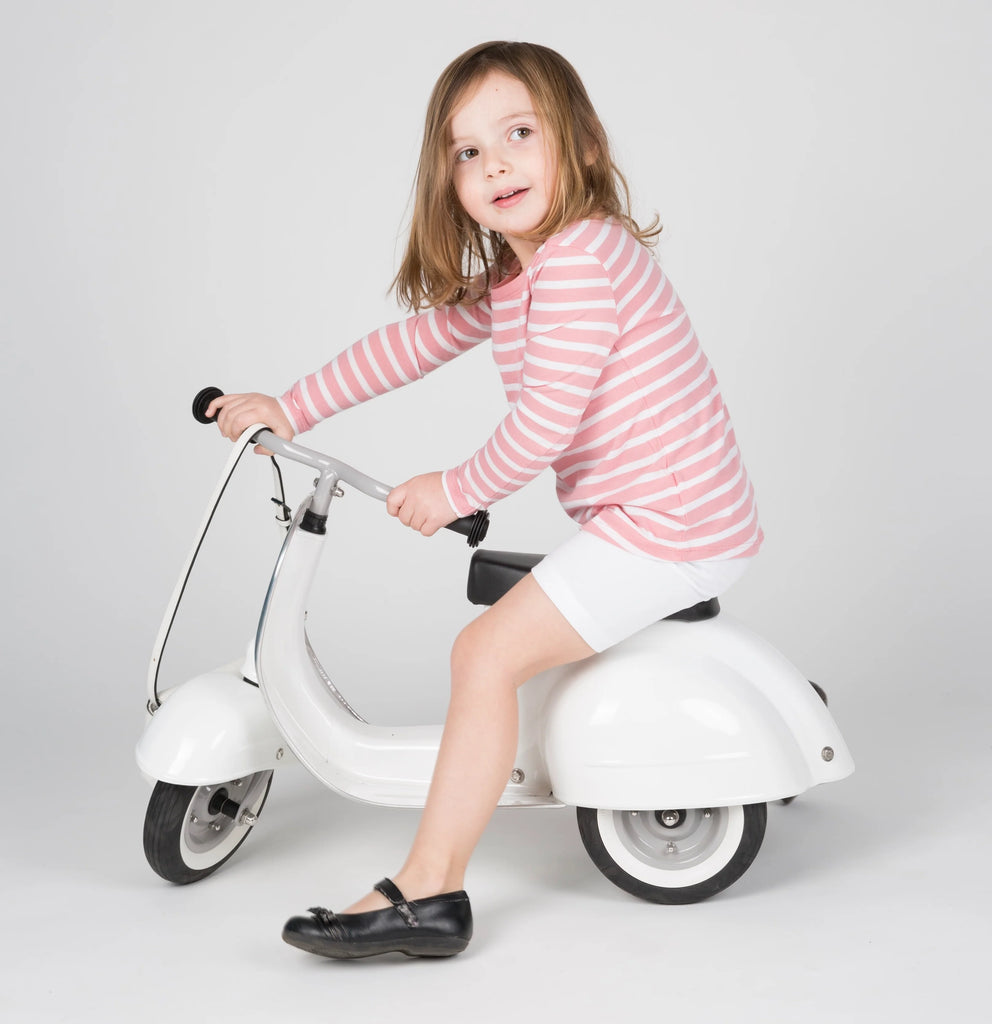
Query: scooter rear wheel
191,830
673,856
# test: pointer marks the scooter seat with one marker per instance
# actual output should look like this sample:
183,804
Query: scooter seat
492,573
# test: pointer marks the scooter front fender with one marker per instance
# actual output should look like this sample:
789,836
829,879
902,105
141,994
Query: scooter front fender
213,728
700,714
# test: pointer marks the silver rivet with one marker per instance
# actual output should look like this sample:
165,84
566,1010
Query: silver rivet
238,782
707,813
827,753
517,776
248,819
279,754
672,848
195,820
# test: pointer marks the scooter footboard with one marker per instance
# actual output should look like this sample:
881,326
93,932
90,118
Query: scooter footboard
688,715
212,728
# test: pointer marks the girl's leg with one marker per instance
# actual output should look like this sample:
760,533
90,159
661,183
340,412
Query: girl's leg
519,636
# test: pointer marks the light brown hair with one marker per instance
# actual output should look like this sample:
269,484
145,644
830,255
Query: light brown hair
447,251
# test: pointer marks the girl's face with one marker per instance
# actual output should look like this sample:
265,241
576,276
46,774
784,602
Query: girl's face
504,167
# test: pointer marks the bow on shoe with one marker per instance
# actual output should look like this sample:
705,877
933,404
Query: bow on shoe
329,920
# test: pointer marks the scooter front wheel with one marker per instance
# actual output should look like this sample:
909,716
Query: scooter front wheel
676,855
191,830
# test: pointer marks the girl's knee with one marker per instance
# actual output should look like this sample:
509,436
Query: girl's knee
468,651
478,659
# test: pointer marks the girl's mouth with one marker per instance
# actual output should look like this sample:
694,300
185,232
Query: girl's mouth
510,197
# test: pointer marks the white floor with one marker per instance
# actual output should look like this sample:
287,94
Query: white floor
869,901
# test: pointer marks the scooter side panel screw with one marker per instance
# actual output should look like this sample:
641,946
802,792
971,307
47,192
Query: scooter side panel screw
827,753
279,754
517,776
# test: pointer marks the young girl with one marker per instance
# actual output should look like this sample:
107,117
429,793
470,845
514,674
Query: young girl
521,233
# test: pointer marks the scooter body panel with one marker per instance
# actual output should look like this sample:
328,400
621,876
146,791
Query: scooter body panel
688,715
213,728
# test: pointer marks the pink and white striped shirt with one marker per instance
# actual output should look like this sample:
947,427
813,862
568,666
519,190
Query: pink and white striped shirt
606,383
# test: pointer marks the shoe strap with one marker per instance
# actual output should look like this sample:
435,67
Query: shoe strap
392,893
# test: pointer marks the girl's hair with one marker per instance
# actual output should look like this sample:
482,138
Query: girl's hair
447,252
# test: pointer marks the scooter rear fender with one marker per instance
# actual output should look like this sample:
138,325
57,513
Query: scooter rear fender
213,728
703,714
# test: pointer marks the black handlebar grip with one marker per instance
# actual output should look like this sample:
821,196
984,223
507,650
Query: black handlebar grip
474,527
202,400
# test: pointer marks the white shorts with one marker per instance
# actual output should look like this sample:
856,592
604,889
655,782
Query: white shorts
608,594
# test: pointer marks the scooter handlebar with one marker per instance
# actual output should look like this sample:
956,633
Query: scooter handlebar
474,527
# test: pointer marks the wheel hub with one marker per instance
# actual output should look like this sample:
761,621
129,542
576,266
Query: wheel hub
209,821
672,839
215,819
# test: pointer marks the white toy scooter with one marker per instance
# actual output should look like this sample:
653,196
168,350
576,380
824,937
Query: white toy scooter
669,745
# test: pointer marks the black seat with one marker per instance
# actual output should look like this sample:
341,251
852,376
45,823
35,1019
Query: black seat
492,573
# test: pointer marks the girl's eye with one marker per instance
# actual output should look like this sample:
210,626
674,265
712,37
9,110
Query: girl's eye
466,154
521,133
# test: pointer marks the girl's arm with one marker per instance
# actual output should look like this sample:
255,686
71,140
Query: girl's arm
571,329
386,359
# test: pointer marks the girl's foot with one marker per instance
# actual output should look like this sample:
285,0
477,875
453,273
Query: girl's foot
373,901
435,926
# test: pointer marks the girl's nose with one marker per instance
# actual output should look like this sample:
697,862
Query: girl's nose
496,165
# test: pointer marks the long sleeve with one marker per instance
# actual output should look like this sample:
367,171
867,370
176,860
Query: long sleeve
571,329
386,359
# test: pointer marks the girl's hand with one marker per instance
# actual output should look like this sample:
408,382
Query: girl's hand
235,413
421,503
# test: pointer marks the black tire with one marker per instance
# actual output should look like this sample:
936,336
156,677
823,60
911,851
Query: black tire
673,856
191,830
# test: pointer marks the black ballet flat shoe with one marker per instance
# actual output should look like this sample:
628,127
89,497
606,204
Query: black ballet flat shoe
436,926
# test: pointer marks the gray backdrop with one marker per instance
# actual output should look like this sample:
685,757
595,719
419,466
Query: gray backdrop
216,192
